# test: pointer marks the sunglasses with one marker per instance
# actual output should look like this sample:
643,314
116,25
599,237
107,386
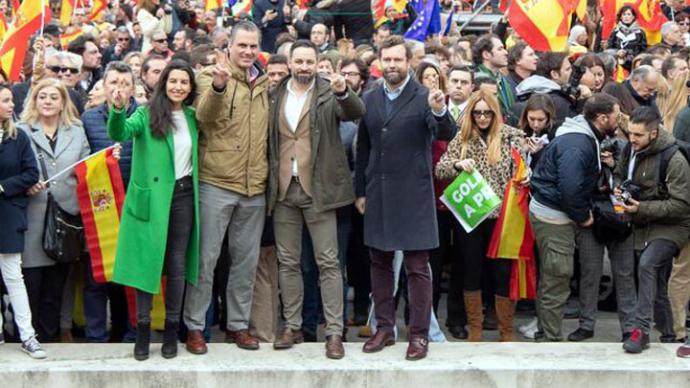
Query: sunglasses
489,114
123,39
60,69
160,40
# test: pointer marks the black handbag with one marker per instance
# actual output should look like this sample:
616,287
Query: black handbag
63,233
609,225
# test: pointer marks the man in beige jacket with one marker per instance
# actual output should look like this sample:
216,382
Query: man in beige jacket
232,111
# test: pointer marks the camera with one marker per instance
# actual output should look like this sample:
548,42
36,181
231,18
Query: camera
573,87
612,145
630,191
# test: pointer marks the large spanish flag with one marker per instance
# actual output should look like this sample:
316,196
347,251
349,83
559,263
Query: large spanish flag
100,193
543,24
649,17
28,20
523,280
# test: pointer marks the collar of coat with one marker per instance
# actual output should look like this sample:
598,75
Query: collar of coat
241,75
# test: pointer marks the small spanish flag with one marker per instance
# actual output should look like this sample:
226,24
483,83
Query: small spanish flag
513,237
68,37
100,193
620,75
28,20
157,311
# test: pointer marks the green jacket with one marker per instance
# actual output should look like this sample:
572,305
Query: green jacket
666,219
144,223
330,174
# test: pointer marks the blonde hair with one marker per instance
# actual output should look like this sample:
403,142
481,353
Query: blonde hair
469,129
672,98
8,125
68,117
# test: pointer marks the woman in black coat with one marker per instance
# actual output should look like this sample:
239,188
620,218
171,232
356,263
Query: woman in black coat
627,38
18,172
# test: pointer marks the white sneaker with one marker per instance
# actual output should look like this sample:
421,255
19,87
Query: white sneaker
33,348
528,330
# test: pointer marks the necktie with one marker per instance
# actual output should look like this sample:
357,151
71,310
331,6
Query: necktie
455,112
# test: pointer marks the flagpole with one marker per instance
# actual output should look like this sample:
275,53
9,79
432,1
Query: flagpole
43,16
75,163
474,15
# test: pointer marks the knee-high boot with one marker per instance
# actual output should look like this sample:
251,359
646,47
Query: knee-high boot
505,310
473,308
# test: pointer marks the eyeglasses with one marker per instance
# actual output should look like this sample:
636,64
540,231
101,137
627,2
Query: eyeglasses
60,69
160,40
489,114
123,39
684,23
350,74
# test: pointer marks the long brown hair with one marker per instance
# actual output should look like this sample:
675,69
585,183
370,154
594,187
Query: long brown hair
469,129
8,125
540,102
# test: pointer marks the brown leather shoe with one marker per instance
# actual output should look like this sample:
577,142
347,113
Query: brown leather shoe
378,342
334,347
288,338
243,339
417,349
196,343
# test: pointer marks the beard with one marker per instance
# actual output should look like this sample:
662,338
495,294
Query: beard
304,79
393,77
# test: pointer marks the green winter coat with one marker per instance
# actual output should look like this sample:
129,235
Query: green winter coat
144,224
665,219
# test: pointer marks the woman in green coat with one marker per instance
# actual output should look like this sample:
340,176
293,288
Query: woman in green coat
159,230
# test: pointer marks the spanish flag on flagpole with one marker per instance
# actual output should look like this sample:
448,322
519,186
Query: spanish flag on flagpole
29,18
66,38
543,24
100,193
513,237
67,10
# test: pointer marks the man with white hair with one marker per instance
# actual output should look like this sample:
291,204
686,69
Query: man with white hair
638,90
671,36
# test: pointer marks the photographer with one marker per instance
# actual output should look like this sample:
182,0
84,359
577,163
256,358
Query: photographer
611,231
562,188
661,216
556,78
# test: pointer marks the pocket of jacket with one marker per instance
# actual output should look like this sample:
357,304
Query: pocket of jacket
139,201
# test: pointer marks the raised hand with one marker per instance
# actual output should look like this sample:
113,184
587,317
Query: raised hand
338,84
437,100
119,100
221,72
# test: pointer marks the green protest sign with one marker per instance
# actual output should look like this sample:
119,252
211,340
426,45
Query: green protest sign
471,199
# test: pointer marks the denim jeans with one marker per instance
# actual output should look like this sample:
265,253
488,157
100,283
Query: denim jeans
179,231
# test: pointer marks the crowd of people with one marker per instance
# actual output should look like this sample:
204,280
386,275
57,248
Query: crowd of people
272,161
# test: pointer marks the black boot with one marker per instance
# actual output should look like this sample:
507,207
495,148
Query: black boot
141,347
169,349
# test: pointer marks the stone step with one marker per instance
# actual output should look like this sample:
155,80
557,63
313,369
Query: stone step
595,365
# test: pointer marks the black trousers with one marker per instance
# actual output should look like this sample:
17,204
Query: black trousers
358,265
179,231
44,286
474,246
449,252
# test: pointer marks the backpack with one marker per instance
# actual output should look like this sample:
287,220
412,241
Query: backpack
666,155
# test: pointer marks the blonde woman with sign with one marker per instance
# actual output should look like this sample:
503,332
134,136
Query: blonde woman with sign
483,144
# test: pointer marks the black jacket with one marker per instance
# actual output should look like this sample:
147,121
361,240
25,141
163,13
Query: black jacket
567,173
18,172
354,17
270,30
538,84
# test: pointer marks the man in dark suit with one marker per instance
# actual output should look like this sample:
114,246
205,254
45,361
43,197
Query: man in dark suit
393,181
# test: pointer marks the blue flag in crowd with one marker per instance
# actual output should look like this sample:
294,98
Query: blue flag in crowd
428,19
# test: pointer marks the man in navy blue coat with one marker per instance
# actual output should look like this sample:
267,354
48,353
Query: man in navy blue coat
394,187
118,75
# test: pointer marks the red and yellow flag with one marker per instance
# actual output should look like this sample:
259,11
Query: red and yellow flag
648,12
3,26
241,7
543,24
27,21
67,10
212,5
100,193
68,37
157,312
379,7
513,237
97,9
621,74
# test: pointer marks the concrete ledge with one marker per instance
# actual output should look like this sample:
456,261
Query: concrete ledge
596,365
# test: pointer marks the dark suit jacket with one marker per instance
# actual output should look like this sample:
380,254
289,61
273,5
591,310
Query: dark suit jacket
393,169
18,172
